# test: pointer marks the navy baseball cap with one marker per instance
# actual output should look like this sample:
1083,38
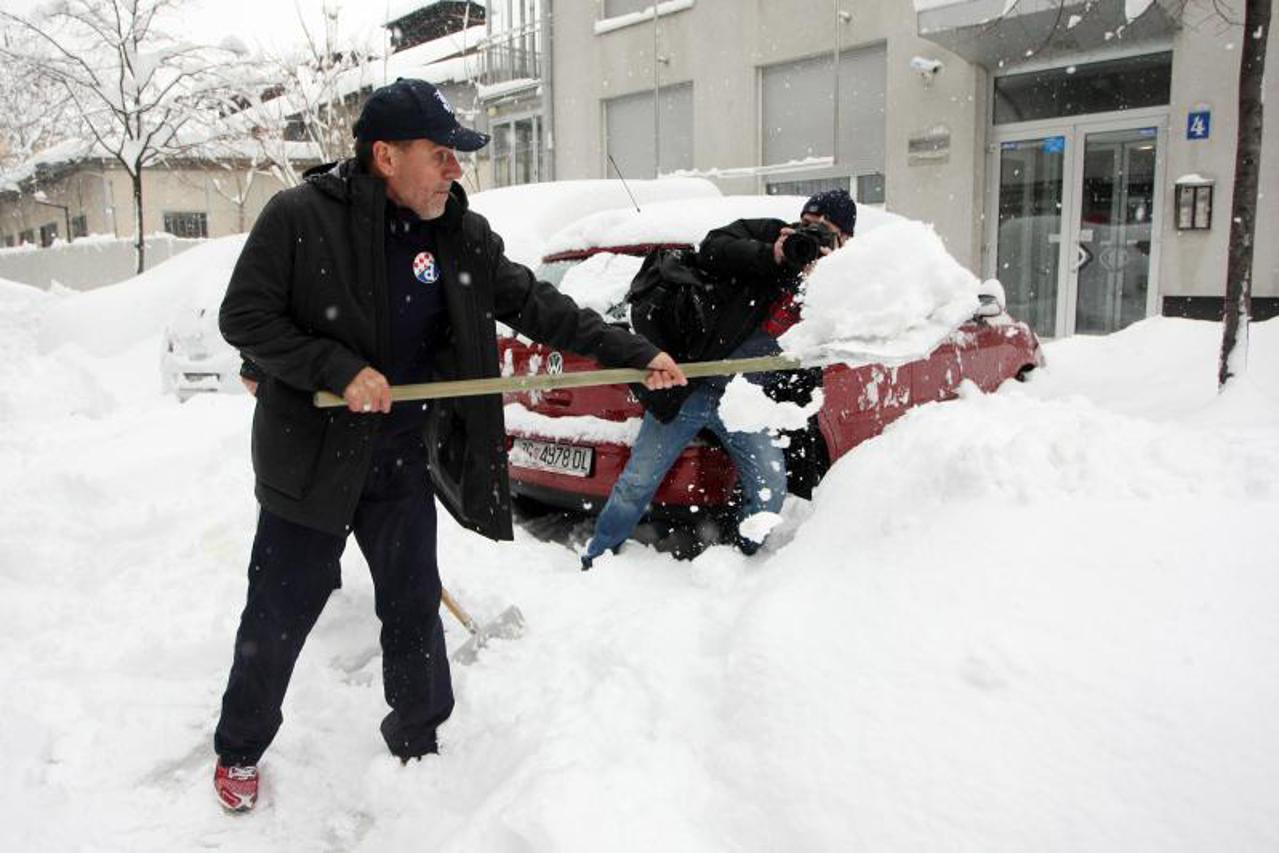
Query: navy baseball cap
837,206
414,109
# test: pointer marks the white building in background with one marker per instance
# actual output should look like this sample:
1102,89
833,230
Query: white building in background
1045,139
514,92
77,189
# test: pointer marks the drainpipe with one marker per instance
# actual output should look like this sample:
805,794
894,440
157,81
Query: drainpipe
548,93
657,108
834,142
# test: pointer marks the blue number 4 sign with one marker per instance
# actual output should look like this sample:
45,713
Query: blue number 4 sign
1198,125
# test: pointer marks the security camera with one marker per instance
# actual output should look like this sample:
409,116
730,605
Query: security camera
925,68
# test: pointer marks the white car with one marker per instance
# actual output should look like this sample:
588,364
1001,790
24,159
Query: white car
196,359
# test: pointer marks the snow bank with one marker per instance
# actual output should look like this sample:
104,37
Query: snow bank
1043,617
110,319
891,294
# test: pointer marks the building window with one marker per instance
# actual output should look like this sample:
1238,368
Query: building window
1098,87
870,188
27,237
8,241
631,127
295,129
613,8
799,111
48,233
187,224
517,152
807,188
79,226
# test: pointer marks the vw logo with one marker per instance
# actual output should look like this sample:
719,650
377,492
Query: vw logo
555,364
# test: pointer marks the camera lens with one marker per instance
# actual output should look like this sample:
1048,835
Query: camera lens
800,249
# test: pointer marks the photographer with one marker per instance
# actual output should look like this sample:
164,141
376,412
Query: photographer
761,261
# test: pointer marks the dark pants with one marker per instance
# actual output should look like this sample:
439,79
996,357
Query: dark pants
292,571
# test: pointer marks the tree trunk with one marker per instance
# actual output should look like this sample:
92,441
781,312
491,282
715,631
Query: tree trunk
139,238
1243,209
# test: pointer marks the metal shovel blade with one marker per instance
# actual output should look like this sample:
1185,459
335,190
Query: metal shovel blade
508,626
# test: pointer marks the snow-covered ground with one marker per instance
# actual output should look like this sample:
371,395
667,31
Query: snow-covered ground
1042,619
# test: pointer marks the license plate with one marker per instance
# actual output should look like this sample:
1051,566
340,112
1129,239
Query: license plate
547,456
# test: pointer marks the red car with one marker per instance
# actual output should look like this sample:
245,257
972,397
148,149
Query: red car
568,447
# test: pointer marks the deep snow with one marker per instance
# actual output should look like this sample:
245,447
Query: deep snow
1039,619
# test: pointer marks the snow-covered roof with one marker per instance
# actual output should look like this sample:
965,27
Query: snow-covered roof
67,151
437,61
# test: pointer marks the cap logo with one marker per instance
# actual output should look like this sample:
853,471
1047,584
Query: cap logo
424,268
439,96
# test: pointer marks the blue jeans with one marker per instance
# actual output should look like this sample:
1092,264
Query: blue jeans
761,467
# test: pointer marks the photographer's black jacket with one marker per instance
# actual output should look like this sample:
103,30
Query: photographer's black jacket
741,255
308,305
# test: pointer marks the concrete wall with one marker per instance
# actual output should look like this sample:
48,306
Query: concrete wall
721,45
1205,75
104,195
85,264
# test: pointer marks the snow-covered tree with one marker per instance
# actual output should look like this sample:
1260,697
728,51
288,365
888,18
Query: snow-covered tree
142,94
300,104
34,111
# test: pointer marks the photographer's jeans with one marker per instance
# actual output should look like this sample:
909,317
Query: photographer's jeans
761,467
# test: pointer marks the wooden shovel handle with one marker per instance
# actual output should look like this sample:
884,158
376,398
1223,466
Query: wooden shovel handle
580,379
456,609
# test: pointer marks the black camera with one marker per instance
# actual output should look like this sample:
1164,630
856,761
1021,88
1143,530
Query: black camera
805,245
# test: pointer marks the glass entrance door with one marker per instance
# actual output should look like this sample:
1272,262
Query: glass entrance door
1075,241
1030,217
1117,204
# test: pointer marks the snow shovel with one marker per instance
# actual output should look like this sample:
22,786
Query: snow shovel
580,379
508,626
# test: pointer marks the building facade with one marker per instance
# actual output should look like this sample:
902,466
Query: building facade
76,189
1082,158
514,85
95,196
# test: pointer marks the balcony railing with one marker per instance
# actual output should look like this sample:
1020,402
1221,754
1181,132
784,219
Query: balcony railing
511,55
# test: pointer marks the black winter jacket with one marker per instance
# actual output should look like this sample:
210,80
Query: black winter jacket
742,255
307,304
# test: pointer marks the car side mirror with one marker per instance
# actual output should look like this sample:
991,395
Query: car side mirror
989,306
991,294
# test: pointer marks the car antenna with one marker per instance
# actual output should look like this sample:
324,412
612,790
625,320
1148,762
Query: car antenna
624,184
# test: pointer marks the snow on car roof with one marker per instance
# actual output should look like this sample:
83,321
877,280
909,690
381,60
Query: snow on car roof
525,215
684,222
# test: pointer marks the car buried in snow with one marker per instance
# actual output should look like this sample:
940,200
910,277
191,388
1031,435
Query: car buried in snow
195,358
566,448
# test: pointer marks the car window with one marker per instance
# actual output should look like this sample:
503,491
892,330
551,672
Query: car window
553,271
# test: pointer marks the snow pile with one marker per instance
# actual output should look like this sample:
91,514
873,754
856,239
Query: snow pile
1046,613
109,320
890,295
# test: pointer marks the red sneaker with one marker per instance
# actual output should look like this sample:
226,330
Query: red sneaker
237,787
